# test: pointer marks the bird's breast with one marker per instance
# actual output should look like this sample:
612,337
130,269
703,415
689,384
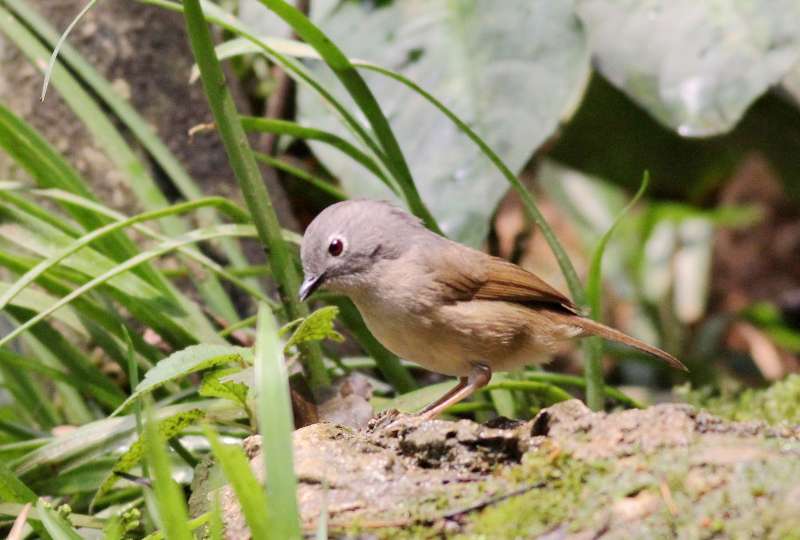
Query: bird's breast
415,334
451,338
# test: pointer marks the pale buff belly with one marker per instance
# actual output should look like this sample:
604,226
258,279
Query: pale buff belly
453,338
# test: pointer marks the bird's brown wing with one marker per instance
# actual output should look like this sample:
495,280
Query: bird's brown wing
470,274
508,282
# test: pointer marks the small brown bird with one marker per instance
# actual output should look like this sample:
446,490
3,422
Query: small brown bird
450,308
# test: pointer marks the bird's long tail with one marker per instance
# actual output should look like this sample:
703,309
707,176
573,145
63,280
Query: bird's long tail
593,328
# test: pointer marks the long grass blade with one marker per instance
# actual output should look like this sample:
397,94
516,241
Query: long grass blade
363,97
108,138
276,426
250,494
52,62
105,231
293,129
198,235
184,325
171,504
246,170
138,126
316,182
593,370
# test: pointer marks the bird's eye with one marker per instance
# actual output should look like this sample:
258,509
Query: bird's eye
336,247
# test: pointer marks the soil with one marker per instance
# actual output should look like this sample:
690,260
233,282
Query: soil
662,472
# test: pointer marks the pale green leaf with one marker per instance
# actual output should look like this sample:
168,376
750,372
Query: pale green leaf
167,429
213,386
316,327
189,360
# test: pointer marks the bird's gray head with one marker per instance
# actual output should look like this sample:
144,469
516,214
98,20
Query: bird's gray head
345,241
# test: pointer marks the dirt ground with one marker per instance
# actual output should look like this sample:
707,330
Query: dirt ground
662,472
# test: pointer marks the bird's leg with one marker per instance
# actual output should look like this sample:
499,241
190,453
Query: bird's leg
462,382
478,377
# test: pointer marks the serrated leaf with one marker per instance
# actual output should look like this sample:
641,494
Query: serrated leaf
167,429
316,327
189,360
213,386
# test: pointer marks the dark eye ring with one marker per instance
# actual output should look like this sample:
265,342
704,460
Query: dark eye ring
336,247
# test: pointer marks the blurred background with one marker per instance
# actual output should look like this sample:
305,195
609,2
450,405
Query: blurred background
582,100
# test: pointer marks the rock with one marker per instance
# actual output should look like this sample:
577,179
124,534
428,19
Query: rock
668,470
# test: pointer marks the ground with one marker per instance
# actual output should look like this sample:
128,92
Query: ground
662,472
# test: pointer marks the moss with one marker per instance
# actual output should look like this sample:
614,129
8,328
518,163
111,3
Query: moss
777,403
697,491
714,480
558,487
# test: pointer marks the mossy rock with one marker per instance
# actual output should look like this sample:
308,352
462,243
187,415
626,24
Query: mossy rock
669,471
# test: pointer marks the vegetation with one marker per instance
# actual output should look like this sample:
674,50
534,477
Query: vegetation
140,341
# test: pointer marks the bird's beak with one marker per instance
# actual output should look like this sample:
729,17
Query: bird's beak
310,284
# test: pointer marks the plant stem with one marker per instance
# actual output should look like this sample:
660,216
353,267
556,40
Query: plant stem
250,182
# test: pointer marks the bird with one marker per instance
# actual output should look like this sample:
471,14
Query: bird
448,307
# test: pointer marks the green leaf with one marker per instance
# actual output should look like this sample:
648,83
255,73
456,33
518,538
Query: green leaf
249,179
250,494
594,279
512,72
316,327
120,278
241,46
167,429
189,360
276,426
695,66
390,152
212,386
319,183
593,370
413,401
100,438
169,496
37,301
12,489
192,525
293,129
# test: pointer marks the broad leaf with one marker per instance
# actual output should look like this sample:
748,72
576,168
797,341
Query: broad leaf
695,66
512,70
